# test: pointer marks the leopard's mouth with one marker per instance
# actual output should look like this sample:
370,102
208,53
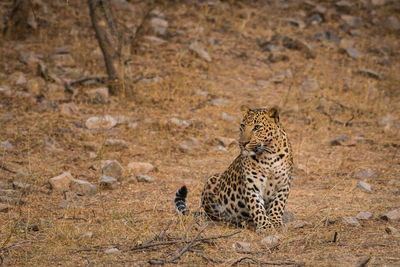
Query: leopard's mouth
256,149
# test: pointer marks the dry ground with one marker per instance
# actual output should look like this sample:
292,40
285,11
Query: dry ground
325,186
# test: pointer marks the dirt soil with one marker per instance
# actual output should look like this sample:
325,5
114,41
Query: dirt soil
180,103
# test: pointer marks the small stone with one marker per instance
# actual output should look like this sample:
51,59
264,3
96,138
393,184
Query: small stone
4,207
179,122
112,251
378,2
278,78
355,32
352,21
343,4
287,217
225,141
188,145
122,119
21,186
296,22
154,40
133,125
351,221
116,144
297,44
51,146
338,140
370,73
29,59
35,85
197,48
241,246
82,187
364,215
391,230
219,102
364,174
346,44
106,122
69,109
392,23
144,178
353,52
275,56
113,169
108,182
6,145
61,183
227,117
140,167
99,95
86,235
364,186
21,80
220,148
315,19
391,216
270,241
159,22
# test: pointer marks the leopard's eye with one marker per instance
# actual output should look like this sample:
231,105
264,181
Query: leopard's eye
256,127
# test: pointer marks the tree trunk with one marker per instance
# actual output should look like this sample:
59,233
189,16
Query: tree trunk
21,20
111,42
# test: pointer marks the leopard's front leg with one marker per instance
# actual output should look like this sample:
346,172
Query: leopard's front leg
257,211
276,207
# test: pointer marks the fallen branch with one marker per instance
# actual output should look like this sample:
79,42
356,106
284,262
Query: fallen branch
293,263
7,169
159,236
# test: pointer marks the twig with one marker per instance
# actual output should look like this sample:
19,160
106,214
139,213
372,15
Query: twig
13,245
266,262
187,246
159,236
7,169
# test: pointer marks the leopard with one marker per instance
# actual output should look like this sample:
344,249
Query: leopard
255,187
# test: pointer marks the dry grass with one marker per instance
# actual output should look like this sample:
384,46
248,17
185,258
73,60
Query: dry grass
324,189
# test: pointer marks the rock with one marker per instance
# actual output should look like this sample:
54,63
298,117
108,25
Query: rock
355,32
61,183
353,52
364,215
277,57
225,141
21,186
296,22
338,140
6,145
378,2
189,145
86,235
220,148
63,60
106,122
133,125
391,216
315,19
270,241
391,230
112,251
364,186
179,122
144,178
297,44
198,49
219,102
82,187
159,26
50,145
35,85
140,167
392,23
244,246
343,4
108,182
227,117
113,169
364,174
4,207
346,44
21,80
116,144
29,59
354,22
351,221
99,95
287,217
370,73
122,119
278,78
69,109
154,40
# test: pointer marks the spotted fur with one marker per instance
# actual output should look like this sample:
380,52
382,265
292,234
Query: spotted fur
256,185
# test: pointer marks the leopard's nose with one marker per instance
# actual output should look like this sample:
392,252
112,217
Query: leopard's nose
244,143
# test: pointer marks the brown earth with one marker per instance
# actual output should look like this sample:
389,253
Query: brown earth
320,92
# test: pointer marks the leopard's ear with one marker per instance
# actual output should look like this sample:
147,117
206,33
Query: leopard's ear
274,113
244,109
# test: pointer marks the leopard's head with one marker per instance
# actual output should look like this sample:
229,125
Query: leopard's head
259,131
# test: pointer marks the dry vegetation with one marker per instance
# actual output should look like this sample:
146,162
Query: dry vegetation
365,109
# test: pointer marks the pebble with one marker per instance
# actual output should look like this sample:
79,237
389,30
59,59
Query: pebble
393,215
29,59
21,186
198,49
296,22
99,95
219,102
154,40
144,178
351,21
364,174
278,78
61,182
364,215
338,140
270,241
82,187
241,246
86,235
113,169
21,80
276,56
352,221
220,148
140,167
225,141
364,186
116,144
69,109
353,52
108,182
112,251
106,122
392,23
315,19
6,145
371,73
391,230
179,122
227,117
297,44
189,145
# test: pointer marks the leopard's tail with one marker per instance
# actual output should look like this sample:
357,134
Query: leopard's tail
180,200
